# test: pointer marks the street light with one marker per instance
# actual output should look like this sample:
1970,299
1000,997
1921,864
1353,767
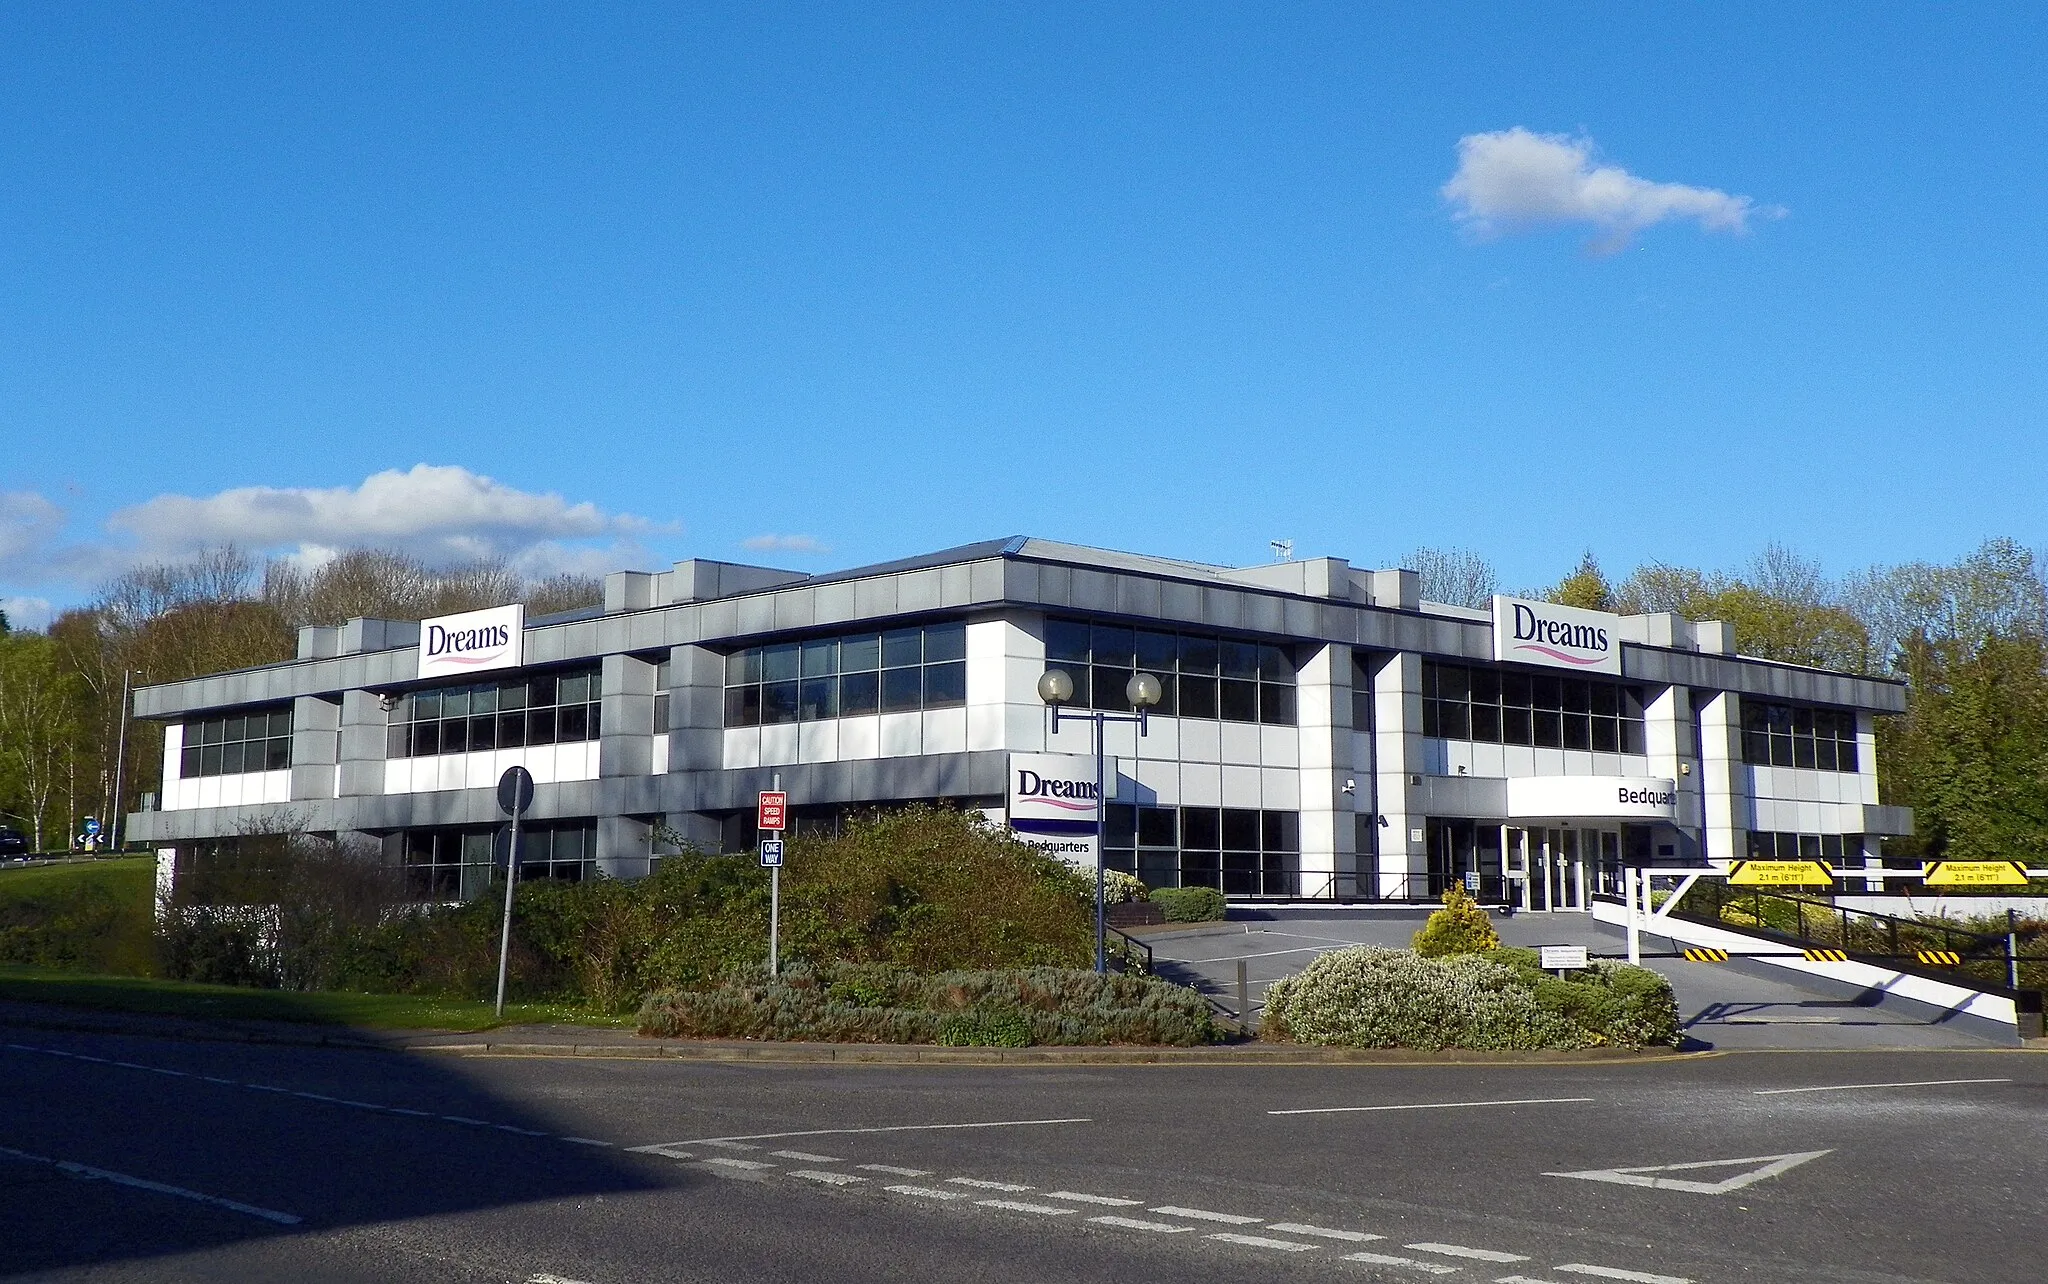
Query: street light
1056,688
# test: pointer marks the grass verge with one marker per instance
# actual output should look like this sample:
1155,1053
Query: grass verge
218,1002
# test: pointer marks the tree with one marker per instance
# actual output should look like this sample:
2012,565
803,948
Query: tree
40,709
1585,588
1781,606
1454,576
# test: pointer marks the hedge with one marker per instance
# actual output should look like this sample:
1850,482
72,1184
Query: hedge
1189,904
878,1003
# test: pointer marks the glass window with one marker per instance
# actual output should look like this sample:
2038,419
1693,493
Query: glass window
902,647
1066,640
1779,735
945,642
820,659
779,663
539,708
945,685
779,702
1276,704
1197,696
859,693
1239,701
818,698
901,690
1470,703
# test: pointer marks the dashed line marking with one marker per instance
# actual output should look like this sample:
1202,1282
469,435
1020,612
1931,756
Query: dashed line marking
1459,1250
667,1150
747,1165
1133,1223
1076,1197
1616,1273
1260,1241
464,1119
830,1179
979,1184
1383,1259
161,1188
1204,1215
1521,1279
1021,1206
926,1192
1854,1087
1298,1228
586,1141
806,1157
1436,1105
893,1170
721,1144
412,1114
844,1132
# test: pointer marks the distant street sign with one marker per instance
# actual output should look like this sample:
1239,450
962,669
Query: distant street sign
1563,958
771,853
1471,880
501,846
774,812
92,826
1780,873
515,791
1976,873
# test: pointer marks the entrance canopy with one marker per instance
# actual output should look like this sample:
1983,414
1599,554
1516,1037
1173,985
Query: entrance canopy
1637,798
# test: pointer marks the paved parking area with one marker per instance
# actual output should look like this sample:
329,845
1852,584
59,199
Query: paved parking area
1728,1006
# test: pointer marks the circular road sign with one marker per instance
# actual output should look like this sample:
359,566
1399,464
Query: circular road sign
515,791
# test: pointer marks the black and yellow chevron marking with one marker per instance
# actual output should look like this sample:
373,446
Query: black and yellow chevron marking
1940,958
1705,954
1827,956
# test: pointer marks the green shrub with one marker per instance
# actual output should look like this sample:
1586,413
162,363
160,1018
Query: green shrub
1373,997
983,1008
1189,904
1460,927
1619,1004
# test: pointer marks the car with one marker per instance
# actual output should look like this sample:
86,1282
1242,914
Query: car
12,842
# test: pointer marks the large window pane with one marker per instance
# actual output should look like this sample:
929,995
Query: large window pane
945,642
743,667
1606,735
1157,827
1201,827
902,647
1240,829
483,731
1239,701
1486,723
860,653
945,685
743,706
573,724
1238,659
901,690
819,698
1549,728
1515,726
778,663
1197,697
1274,664
1198,655
1115,646
1066,640
1276,705
1578,733
455,735
1110,687
778,702
1157,653
1451,720
540,726
859,693
512,729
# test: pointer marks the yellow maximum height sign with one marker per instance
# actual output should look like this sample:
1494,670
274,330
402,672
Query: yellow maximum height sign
1976,873
1780,873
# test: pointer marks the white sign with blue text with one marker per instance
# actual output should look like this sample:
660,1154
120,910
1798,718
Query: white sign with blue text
1053,804
472,642
771,853
1558,637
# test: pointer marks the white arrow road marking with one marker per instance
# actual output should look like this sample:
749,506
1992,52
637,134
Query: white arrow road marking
1616,1273
1768,1166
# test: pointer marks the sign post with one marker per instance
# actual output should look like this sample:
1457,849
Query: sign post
773,818
515,795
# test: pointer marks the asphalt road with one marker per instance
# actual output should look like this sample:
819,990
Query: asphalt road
138,1159
1721,1005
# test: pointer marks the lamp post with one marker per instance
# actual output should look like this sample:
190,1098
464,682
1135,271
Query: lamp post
1056,688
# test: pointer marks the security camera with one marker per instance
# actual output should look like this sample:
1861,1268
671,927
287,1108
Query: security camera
1350,786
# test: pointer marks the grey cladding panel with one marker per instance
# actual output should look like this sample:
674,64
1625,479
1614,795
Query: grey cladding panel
986,581
1264,614
1137,596
1022,581
917,591
874,598
796,609
1222,609
956,585
1094,591
757,614
833,603
718,620
1180,601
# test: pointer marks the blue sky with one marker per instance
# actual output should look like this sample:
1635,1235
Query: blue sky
860,281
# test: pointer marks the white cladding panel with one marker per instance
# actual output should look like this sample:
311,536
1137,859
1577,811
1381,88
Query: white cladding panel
1575,797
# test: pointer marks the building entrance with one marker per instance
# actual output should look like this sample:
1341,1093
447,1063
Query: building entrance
1558,869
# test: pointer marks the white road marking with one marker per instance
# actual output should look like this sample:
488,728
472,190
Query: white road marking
524,1132
1616,1273
926,1192
723,1143
1297,1228
1436,1105
1459,1250
553,1279
830,1179
666,1152
747,1165
415,1114
1076,1196
1019,1206
844,1132
894,1171
978,1184
1383,1259
1521,1279
1854,1087
161,1188
464,1119
1132,1223
586,1141
806,1157
1768,1166
1204,1215
1260,1241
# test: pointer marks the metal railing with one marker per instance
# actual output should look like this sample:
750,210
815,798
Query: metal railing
1128,954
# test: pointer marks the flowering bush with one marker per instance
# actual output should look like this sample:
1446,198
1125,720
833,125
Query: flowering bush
1373,997
1119,888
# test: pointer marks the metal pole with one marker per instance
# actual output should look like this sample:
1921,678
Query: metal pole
114,825
505,932
1244,996
2012,950
1632,881
1101,855
775,897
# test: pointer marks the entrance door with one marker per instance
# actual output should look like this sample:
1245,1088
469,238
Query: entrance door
1564,875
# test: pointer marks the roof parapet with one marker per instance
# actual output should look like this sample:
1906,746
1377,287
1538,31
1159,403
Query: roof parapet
696,580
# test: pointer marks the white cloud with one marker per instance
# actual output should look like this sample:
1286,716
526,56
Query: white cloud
27,612
440,514
783,544
1515,178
